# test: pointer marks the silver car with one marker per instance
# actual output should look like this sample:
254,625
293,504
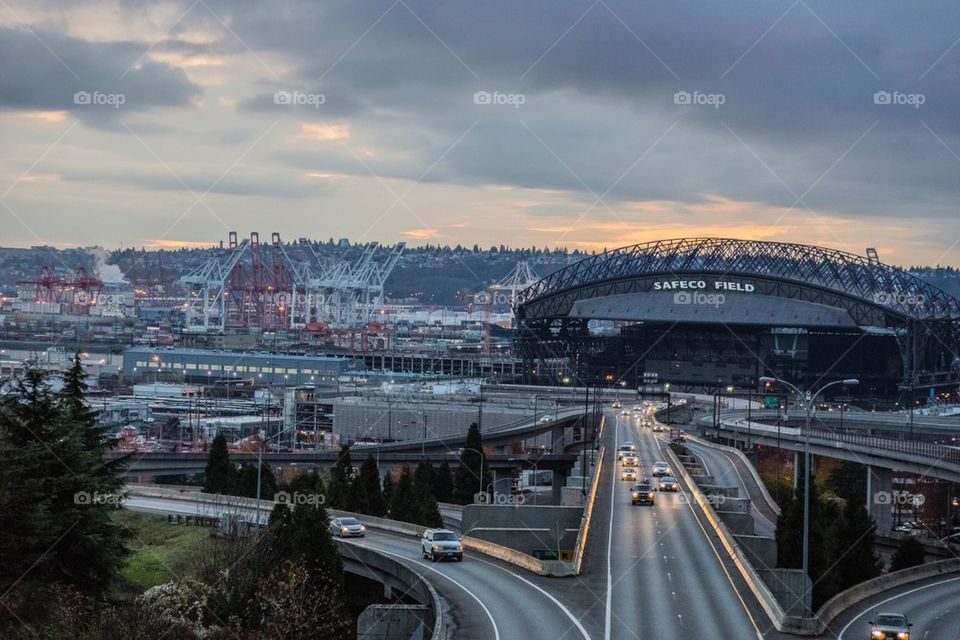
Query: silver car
890,626
347,528
437,544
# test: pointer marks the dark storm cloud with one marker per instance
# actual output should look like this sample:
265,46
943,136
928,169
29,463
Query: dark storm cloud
97,82
798,80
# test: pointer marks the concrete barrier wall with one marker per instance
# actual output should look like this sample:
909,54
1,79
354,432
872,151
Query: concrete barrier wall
794,592
414,583
382,524
738,523
588,512
524,528
759,588
761,550
846,599
753,470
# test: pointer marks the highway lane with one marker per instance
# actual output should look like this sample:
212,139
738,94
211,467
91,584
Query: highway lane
484,598
657,572
728,469
933,606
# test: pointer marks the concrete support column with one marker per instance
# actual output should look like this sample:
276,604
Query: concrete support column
559,482
556,440
880,497
796,469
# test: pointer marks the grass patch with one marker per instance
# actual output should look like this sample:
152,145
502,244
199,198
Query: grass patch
159,551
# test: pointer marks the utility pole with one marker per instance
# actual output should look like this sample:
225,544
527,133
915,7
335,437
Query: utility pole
810,399
583,441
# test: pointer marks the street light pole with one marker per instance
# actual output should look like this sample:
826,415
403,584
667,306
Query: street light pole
810,403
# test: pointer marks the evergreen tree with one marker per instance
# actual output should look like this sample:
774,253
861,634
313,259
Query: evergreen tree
426,512
357,499
341,475
389,486
92,550
218,475
849,481
403,502
909,553
56,492
370,479
472,476
443,482
858,560
244,482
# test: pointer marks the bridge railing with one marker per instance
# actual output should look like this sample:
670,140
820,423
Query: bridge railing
919,447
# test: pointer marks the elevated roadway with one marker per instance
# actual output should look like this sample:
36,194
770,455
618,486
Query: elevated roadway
728,469
657,572
484,598
910,456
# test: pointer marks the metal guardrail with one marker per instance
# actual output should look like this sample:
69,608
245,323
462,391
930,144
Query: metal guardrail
927,449
857,437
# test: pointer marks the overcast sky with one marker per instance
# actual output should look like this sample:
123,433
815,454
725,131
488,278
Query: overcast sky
586,124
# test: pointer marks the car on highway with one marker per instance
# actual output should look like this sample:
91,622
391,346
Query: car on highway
660,469
631,460
657,427
625,412
623,450
347,528
679,437
629,473
890,626
437,544
669,483
642,493
616,404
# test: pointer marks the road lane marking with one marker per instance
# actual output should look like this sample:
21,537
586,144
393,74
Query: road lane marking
559,604
722,565
496,630
613,492
880,604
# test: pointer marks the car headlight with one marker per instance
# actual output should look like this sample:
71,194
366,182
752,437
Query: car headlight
436,547
903,635
650,495
362,528
344,529
878,634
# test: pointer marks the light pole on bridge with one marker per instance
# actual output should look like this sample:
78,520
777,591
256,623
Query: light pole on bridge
810,399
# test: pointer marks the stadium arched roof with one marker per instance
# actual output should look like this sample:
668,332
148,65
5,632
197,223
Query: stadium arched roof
869,284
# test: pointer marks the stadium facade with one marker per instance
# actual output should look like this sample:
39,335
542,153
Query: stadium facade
707,312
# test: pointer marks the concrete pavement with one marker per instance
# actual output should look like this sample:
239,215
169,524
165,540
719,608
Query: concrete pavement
933,606
657,572
730,470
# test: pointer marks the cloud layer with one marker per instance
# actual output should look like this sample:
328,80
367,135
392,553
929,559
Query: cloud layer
537,122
